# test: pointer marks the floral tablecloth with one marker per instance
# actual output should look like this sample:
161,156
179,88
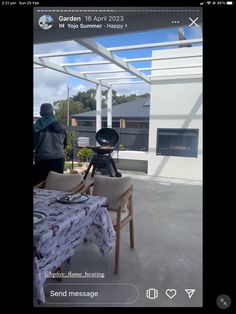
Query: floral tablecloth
65,227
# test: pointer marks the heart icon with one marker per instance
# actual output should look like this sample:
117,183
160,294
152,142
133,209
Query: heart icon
171,293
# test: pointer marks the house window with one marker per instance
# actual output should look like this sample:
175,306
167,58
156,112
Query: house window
177,142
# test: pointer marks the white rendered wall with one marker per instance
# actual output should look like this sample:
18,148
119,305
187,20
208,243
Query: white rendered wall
176,102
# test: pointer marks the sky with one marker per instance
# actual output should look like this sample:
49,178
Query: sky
50,85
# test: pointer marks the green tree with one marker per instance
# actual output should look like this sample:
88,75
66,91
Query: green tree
68,151
71,137
85,153
116,100
75,107
88,99
71,141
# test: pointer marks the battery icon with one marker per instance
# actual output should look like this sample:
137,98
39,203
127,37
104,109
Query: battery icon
229,2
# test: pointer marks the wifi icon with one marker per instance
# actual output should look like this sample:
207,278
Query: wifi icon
190,292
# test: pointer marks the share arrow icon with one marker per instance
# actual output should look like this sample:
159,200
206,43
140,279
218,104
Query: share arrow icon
190,292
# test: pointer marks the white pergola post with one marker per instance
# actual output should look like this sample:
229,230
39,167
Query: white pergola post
98,107
109,107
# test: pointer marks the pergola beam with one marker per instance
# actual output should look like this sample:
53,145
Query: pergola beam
102,51
162,58
129,60
85,63
172,67
132,77
72,64
122,48
120,83
103,72
116,77
140,69
154,45
64,53
59,68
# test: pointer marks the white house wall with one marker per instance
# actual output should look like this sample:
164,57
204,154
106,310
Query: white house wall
176,102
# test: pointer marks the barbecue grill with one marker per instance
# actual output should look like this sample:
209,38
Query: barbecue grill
108,138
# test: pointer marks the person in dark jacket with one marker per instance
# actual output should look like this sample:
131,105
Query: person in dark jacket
49,142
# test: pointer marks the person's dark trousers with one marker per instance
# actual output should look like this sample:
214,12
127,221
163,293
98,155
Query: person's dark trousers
43,167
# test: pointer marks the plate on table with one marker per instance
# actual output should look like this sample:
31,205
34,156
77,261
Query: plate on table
72,199
38,217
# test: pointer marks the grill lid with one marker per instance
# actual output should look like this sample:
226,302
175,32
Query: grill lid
107,137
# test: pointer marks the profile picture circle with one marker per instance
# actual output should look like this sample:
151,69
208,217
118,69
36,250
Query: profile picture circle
45,21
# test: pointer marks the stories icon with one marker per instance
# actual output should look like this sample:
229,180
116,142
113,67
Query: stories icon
152,293
45,21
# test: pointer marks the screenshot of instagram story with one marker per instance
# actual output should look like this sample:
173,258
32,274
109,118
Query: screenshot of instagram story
118,157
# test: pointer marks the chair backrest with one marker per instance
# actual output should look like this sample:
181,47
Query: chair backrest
113,188
62,182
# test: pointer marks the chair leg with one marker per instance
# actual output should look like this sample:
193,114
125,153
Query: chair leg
117,251
131,223
87,171
93,171
131,232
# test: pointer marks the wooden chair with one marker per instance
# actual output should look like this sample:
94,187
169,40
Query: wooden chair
119,194
62,182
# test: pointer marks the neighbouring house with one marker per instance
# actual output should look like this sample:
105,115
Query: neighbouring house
132,114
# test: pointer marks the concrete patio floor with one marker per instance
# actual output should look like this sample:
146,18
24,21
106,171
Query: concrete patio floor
167,253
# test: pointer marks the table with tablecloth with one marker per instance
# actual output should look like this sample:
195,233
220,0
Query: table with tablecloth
65,227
